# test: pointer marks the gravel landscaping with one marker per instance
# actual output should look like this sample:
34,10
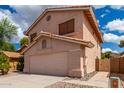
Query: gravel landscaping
68,85
86,78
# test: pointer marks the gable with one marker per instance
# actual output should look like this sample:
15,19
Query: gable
61,38
53,45
55,19
50,19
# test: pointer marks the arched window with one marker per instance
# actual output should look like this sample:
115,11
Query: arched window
43,44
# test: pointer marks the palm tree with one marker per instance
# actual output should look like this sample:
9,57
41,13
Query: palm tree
7,29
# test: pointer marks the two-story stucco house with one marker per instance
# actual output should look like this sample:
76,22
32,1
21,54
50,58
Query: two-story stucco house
64,41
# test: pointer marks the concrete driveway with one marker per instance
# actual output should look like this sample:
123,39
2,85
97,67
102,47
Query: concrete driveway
17,80
20,80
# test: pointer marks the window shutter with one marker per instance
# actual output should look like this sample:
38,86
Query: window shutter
66,27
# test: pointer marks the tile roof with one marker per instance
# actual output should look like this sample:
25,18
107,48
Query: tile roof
64,38
11,54
21,49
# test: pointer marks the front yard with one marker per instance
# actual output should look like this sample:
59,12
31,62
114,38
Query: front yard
20,80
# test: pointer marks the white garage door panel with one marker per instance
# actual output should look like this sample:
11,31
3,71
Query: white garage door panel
54,64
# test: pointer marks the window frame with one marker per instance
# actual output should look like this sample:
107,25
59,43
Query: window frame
32,36
66,26
44,44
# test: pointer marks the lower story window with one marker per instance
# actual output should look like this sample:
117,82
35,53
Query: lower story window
44,45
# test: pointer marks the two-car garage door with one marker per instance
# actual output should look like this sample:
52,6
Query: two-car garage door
53,64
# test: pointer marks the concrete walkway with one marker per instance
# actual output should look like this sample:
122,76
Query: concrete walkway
99,80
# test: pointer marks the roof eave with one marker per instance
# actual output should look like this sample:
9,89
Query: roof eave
85,44
55,9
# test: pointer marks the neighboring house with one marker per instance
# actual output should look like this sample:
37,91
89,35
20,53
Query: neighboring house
20,50
63,41
13,58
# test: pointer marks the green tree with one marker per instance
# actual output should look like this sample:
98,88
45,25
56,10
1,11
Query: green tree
20,64
7,31
121,43
6,46
4,64
24,41
106,55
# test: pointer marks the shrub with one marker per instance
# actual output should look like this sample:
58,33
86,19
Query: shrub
20,64
4,64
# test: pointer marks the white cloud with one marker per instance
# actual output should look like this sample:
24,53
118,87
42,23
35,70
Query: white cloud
98,23
109,50
107,11
111,6
26,14
117,6
103,15
99,6
4,13
112,38
117,24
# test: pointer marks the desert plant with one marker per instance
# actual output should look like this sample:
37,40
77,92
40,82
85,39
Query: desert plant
20,64
4,64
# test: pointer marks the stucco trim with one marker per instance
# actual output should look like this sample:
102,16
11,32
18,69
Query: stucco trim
66,38
59,37
28,47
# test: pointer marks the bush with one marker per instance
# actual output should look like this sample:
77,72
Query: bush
20,64
4,64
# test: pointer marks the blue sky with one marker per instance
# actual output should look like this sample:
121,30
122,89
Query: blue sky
111,22
110,19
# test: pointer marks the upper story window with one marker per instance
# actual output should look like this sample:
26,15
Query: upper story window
66,27
32,36
48,18
44,44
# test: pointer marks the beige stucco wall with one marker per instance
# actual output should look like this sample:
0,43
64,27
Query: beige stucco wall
75,61
57,46
58,17
51,64
83,30
90,53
